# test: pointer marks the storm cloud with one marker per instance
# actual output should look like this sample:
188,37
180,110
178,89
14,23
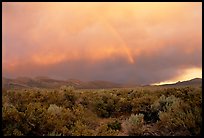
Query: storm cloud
139,43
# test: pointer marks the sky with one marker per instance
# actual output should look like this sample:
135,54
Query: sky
133,42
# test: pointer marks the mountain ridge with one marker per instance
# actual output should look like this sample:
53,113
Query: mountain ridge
194,81
47,82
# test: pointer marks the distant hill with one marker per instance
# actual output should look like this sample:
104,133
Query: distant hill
192,82
46,82
39,82
99,84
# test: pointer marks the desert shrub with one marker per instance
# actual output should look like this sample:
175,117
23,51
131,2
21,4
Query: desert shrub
134,94
53,134
179,119
70,112
180,92
36,95
69,96
85,102
36,118
88,99
85,116
81,129
4,92
101,109
163,103
54,110
20,101
134,125
53,97
194,99
143,105
115,125
103,130
11,120
17,132
124,106
125,93
59,120
106,106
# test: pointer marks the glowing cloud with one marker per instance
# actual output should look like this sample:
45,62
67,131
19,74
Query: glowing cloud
186,75
140,43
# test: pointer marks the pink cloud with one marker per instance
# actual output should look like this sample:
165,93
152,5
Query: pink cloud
112,41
